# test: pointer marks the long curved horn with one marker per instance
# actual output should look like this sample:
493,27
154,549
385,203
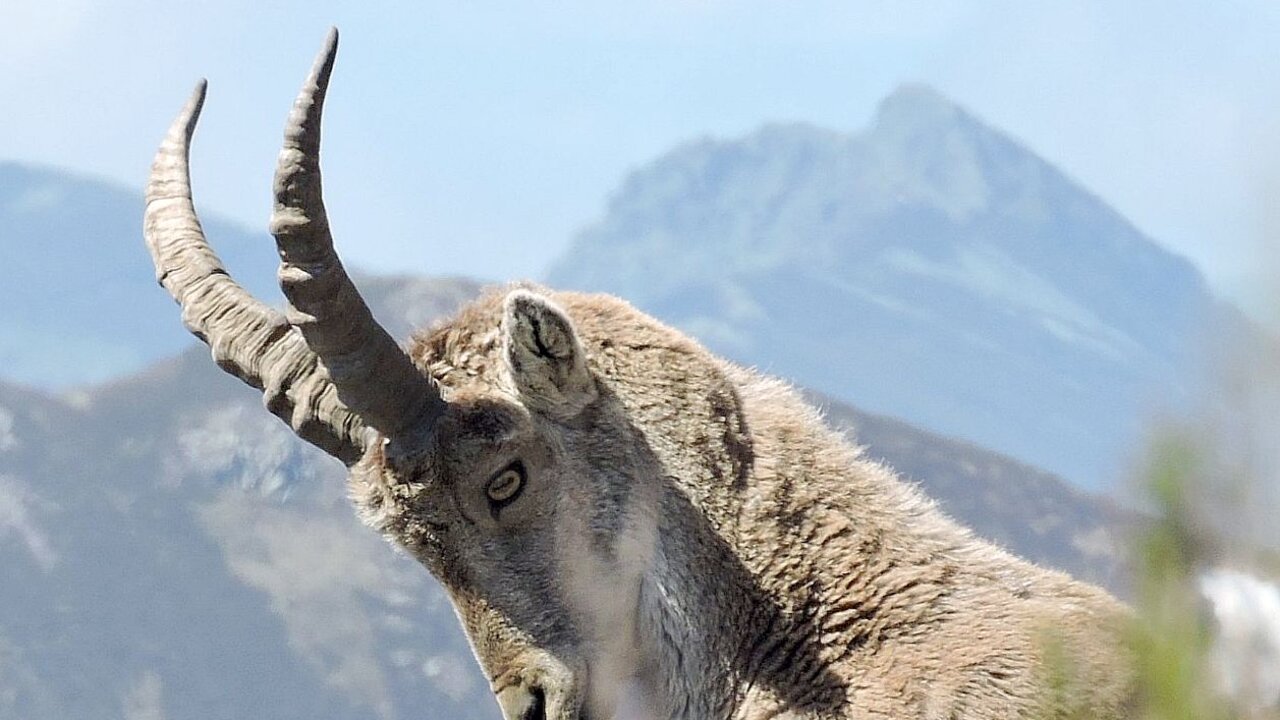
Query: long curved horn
374,376
248,339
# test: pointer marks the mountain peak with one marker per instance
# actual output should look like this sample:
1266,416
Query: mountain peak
933,153
916,105
944,251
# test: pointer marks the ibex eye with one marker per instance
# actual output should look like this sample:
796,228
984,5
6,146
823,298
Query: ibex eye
506,485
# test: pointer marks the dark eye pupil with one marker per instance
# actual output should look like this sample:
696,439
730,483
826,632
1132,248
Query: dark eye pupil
506,485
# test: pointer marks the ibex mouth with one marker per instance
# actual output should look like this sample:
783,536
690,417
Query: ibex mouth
538,710
523,703
542,688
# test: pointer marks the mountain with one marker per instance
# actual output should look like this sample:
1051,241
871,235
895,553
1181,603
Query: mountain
77,306
170,550
929,268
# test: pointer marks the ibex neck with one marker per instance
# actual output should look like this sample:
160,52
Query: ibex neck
748,599
695,605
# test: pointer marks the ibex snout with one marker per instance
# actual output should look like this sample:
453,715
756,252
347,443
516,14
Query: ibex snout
543,688
523,702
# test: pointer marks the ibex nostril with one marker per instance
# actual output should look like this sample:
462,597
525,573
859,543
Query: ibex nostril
520,702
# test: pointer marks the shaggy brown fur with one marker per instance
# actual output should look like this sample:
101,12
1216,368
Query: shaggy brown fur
789,576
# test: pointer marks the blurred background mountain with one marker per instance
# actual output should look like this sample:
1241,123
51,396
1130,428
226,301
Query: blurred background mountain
169,547
929,268
170,550
77,307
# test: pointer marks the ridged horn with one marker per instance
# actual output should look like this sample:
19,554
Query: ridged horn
373,375
248,339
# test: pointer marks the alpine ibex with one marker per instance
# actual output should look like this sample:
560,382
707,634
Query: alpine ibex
626,524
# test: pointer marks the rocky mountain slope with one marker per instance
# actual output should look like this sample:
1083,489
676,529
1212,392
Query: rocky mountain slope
78,302
171,551
929,268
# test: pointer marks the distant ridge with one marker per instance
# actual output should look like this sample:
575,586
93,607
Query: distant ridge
929,267
168,545
78,305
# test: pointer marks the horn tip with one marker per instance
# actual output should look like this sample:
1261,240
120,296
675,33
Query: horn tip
185,123
328,52
183,126
197,96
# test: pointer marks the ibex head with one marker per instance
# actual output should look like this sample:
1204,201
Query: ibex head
492,453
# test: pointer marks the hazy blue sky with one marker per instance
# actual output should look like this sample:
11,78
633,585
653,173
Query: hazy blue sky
477,137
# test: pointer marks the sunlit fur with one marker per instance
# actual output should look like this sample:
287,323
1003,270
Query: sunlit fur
693,542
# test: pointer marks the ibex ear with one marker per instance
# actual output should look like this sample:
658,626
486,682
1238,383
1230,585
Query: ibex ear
544,358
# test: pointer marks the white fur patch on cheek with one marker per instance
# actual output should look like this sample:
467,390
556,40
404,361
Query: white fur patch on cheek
603,591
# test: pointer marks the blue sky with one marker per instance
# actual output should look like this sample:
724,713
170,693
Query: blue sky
475,138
